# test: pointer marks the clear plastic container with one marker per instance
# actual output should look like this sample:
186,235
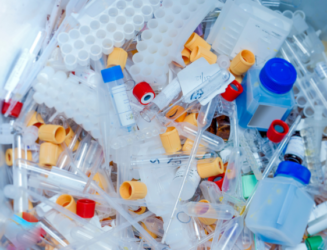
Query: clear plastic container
280,208
267,95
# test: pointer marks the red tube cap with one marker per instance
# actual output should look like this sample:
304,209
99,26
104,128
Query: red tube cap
219,179
143,93
233,90
85,208
15,111
277,130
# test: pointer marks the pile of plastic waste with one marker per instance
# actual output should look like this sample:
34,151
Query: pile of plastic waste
174,124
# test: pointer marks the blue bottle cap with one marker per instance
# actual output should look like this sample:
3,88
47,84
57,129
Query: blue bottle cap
278,76
112,74
294,170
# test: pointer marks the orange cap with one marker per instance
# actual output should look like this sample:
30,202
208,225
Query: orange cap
186,56
213,228
214,168
117,57
195,40
175,112
69,137
52,133
170,140
67,201
100,180
9,155
206,221
188,145
35,120
199,52
49,153
242,62
139,211
192,119
133,190
146,229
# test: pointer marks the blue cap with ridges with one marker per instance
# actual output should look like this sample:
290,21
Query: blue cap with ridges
112,74
278,76
295,170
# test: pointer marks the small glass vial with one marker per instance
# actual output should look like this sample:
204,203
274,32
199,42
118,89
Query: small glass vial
113,78
295,149
267,94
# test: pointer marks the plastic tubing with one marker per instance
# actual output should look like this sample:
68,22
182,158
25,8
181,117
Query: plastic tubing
117,207
274,157
204,120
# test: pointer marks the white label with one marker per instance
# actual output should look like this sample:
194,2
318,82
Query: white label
46,208
193,175
295,147
18,70
197,73
123,106
264,40
265,115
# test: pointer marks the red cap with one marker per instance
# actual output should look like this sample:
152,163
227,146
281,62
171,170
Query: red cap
85,208
219,182
15,111
233,90
277,130
143,93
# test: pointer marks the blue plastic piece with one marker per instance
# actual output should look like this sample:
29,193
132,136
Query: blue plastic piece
258,106
112,74
278,76
294,170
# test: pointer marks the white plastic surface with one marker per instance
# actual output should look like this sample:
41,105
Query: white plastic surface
99,34
165,37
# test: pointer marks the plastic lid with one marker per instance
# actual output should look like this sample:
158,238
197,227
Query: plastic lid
85,208
295,170
112,74
277,130
314,242
15,111
233,90
278,76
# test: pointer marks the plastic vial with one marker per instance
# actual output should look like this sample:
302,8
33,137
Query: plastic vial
295,149
113,78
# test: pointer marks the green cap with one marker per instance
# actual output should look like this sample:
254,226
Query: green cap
314,242
248,183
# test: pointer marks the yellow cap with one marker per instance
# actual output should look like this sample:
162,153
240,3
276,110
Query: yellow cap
133,190
192,119
30,205
195,40
186,56
99,179
214,168
170,140
49,153
242,62
213,228
67,201
69,137
146,229
188,145
117,57
35,120
9,155
199,52
175,112
139,211
52,133
206,221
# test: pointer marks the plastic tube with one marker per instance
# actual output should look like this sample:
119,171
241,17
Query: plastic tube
204,120
164,160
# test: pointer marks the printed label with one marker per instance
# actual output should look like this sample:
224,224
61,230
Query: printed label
295,147
123,106
46,208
